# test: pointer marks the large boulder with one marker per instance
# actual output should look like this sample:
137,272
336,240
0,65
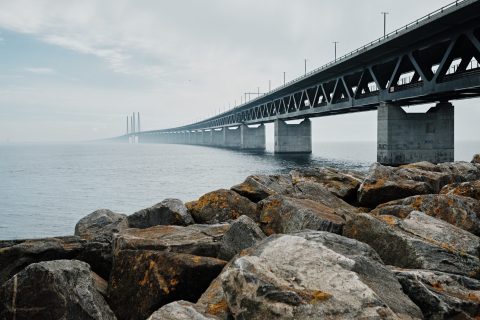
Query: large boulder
319,193
282,214
16,255
317,275
342,184
460,211
384,183
469,189
259,187
243,233
220,206
60,289
213,301
180,310
202,240
441,295
143,280
100,223
418,242
476,159
167,212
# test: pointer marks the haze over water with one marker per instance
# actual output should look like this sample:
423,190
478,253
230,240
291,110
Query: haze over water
46,189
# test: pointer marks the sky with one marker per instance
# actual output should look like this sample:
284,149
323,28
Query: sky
73,70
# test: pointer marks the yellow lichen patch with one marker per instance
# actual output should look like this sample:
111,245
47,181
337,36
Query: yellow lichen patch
475,297
173,282
318,296
217,308
391,220
417,203
146,276
437,286
197,259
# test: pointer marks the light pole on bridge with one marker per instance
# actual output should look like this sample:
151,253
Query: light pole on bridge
305,66
283,77
384,22
335,45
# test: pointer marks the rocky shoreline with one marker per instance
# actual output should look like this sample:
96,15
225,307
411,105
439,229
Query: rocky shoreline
320,243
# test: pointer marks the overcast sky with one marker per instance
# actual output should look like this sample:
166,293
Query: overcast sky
73,70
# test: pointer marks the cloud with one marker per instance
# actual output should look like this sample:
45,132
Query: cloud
39,70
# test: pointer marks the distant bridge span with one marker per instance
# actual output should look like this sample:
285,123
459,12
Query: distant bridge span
435,59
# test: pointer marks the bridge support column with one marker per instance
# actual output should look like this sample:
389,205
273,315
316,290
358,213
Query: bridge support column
217,138
207,137
412,137
252,138
232,138
293,138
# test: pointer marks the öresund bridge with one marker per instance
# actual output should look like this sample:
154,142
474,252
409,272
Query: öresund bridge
433,60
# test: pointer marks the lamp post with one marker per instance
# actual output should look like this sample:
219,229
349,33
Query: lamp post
283,77
305,66
335,45
384,23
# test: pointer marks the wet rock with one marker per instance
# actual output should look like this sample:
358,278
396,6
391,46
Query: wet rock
167,212
142,281
290,277
476,159
469,189
99,223
100,284
460,211
22,253
259,187
220,206
202,240
180,310
384,184
281,214
342,184
60,289
441,295
417,242
213,301
243,233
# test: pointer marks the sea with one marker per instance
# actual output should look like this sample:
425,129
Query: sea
46,188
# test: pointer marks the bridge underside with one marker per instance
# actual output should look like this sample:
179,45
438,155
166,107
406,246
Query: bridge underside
433,61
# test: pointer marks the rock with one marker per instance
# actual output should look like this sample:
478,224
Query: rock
259,187
102,222
290,277
469,189
167,212
476,159
417,242
213,301
319,193
441,295
22,253
281,214
243,233
384,184
460,211
60,289
143,280
180,310
342,184
201,240
100,284
220,206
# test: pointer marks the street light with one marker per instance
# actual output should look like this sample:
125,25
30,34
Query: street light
283,77
335,43
384,23
305,66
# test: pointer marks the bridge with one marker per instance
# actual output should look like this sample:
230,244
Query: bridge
433,60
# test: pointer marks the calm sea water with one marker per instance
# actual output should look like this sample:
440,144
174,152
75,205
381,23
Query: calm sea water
46,189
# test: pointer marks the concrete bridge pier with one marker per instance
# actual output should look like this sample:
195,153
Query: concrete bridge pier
217,137
232,138
411,137
252,138
207,137
293,138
